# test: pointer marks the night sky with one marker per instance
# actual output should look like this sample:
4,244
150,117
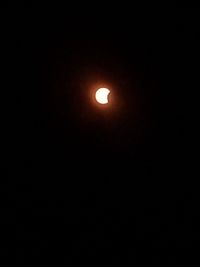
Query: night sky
86,184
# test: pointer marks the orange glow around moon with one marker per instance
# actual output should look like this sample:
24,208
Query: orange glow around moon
102,95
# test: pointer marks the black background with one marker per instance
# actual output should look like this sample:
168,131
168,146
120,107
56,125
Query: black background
86,184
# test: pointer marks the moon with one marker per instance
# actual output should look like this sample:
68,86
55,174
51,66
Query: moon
102,95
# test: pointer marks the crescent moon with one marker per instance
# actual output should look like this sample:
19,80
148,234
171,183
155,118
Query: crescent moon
102,95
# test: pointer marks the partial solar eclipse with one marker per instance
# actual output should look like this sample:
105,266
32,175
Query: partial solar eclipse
102,95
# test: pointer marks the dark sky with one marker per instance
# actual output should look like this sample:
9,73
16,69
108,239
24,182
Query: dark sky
83,183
